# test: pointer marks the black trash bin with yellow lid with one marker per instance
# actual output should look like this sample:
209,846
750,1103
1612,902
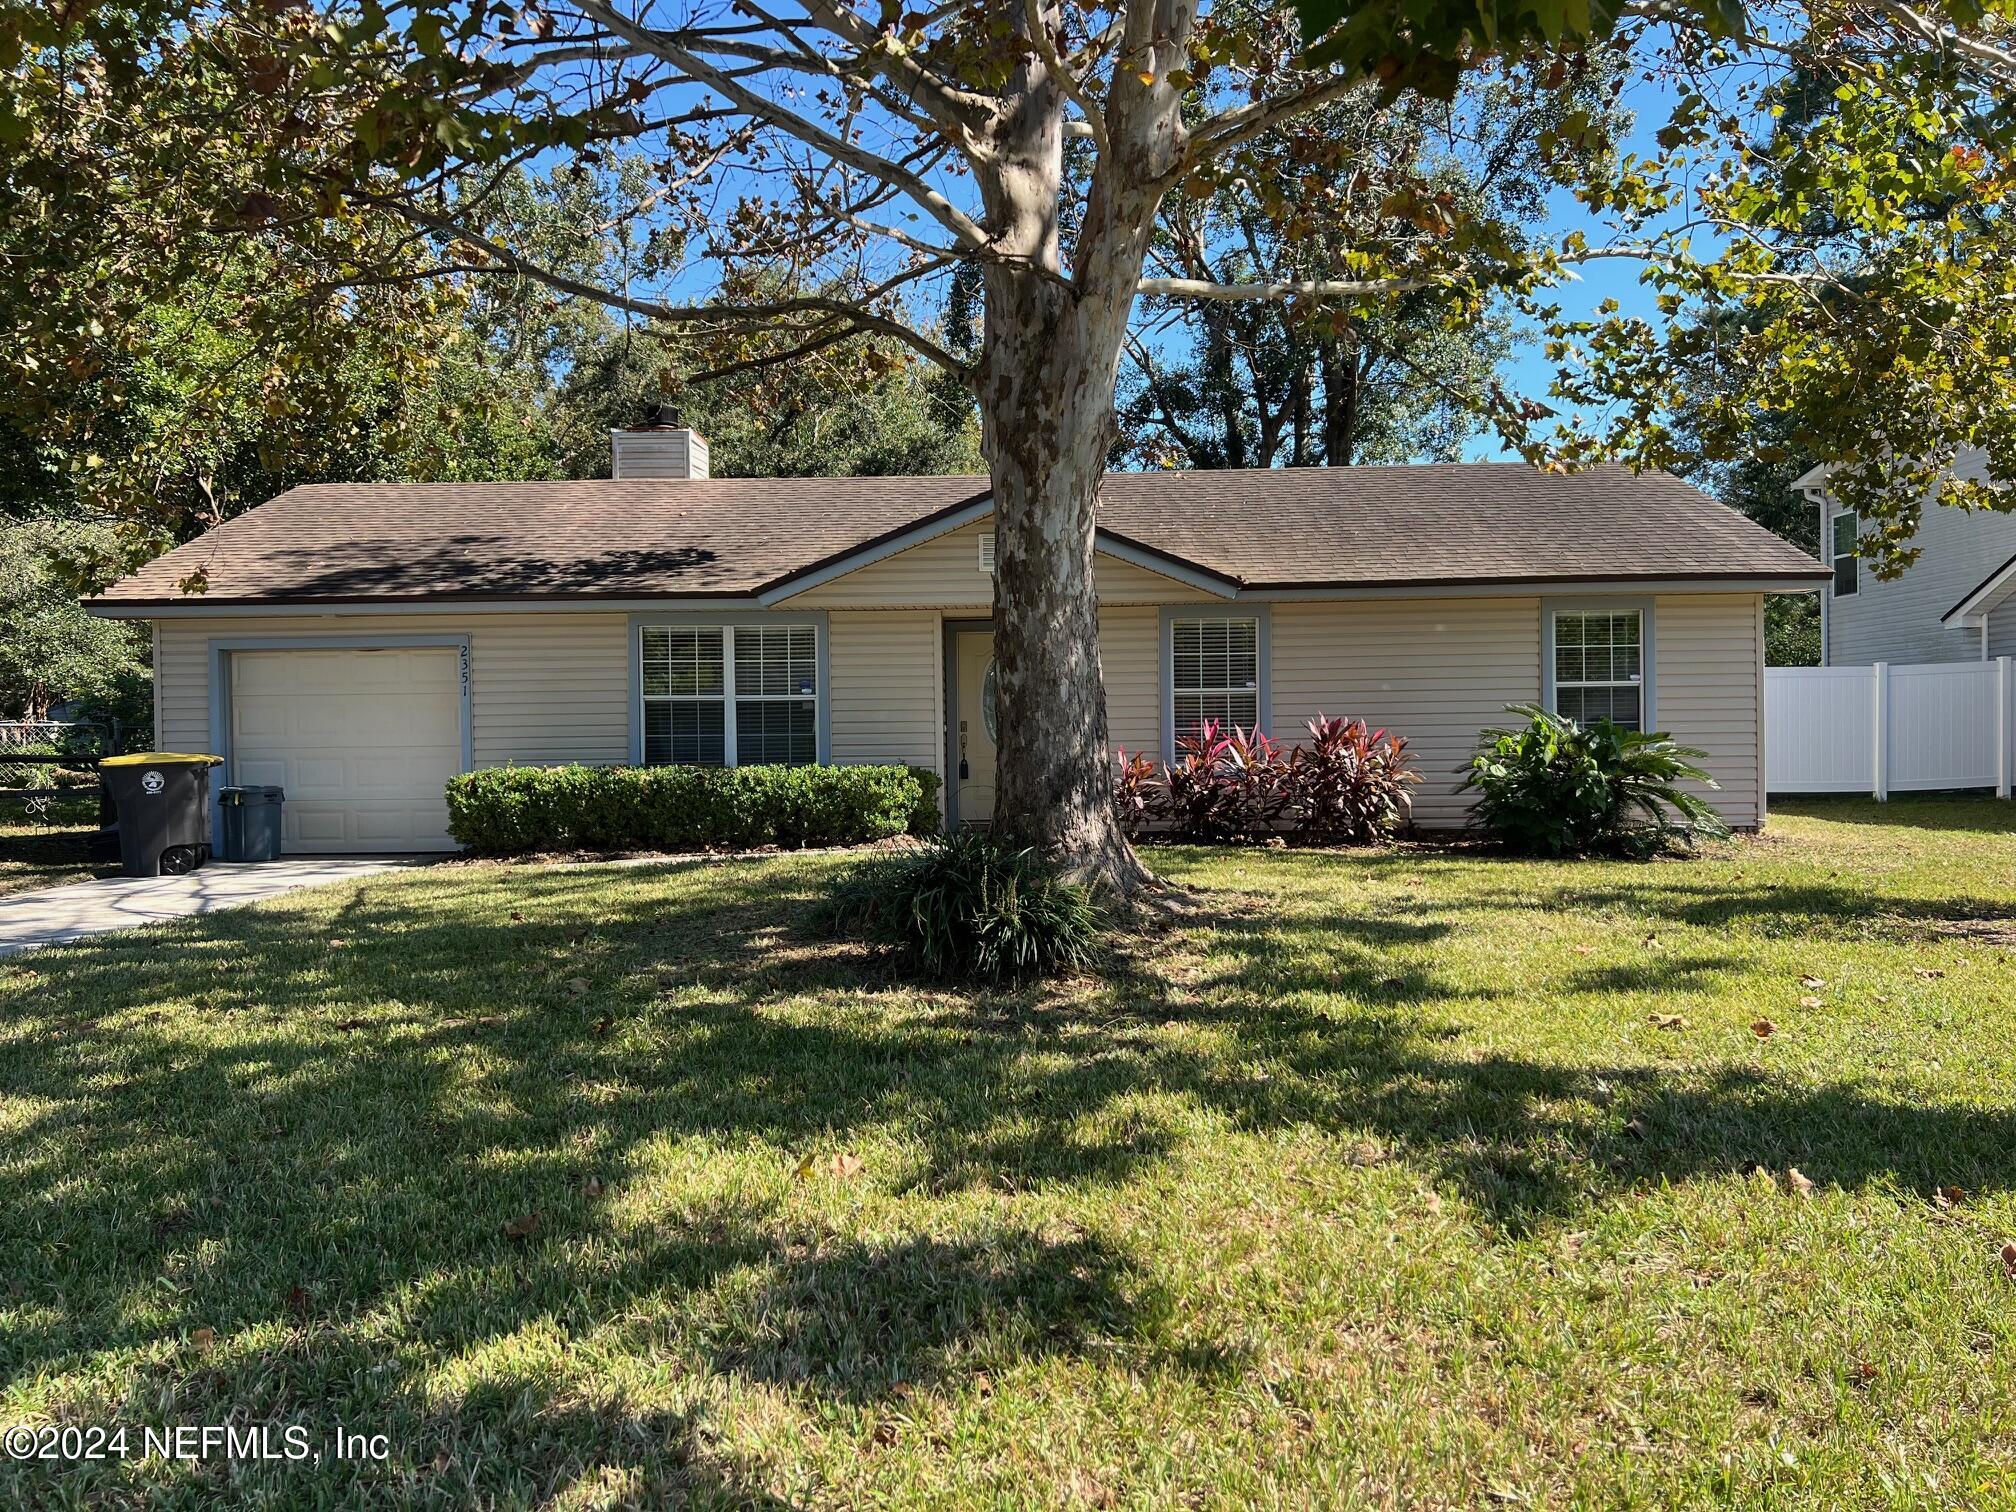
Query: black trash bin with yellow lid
163,799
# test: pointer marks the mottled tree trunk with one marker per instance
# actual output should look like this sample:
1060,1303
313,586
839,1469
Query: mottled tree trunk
1046,385
1340,398
1301,419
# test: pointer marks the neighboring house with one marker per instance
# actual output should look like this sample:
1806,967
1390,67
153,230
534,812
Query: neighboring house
359,643
1950,605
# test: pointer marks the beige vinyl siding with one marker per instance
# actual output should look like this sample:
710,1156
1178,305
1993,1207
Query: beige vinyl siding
884,672
1434,670
1707,693
944,573
1130,663
543,688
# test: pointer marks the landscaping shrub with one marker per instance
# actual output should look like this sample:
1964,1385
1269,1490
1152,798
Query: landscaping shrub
1137,792
1348,784
1553,788
1226,784
968,907
924,818
514,810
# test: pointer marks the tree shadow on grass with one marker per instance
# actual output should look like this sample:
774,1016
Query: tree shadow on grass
287,1118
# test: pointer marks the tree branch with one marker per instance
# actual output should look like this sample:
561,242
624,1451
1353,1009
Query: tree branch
1046,49
661,45
856,311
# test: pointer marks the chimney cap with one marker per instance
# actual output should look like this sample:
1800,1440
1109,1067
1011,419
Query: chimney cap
659,414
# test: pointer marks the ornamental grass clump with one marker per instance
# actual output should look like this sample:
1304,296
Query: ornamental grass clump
967,907
1554,788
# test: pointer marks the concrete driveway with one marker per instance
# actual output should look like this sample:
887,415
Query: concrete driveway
53,915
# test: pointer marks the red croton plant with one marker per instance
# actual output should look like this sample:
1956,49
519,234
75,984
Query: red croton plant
1347,785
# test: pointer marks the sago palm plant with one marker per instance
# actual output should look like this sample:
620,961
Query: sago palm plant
1555,788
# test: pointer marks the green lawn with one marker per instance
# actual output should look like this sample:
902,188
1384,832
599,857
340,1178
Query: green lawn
44,849
1376,1186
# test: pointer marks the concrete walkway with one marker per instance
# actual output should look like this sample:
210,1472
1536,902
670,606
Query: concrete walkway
52,915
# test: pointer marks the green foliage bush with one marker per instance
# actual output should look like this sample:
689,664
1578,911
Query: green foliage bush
1554,788
924,816
515,810
968,907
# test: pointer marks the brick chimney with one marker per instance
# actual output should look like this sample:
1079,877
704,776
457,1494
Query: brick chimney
659,448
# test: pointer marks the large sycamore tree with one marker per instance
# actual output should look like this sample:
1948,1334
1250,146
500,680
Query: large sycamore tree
805,174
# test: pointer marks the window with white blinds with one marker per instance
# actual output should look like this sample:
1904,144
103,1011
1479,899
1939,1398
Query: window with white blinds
1599,667
730,695
776,702
1214,673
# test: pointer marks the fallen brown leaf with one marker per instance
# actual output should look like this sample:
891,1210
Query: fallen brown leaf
1635,1128
1672,1021
1797,1182
1928,973
577,985
593,1186
203,1338
1431,1202
1763,1028
1585,950
846,1165
1812,983
522,1227
1809,1001
2009,1257
347,1025
442,1460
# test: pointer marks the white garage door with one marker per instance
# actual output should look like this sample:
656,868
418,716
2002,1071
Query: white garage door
362,741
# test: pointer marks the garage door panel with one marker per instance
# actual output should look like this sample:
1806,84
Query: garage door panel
362,741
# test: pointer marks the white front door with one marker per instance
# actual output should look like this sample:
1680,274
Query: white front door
973,666
364,743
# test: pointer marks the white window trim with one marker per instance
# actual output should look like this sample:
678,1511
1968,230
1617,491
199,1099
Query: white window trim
726,623
1835,556
1263,692
1553,609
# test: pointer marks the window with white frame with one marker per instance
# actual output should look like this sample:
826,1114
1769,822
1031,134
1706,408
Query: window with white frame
1599,666
1214,666
1845,579
730,695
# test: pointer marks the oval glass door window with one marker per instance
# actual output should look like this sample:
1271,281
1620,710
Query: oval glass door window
987,697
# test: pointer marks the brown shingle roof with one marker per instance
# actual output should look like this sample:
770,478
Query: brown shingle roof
1366,526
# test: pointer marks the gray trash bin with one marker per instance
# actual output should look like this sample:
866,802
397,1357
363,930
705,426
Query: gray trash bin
249,822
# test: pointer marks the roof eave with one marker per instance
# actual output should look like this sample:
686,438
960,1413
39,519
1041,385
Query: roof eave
1984,598
1774,580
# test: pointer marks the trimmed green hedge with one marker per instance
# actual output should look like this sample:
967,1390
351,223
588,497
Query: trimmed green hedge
514,810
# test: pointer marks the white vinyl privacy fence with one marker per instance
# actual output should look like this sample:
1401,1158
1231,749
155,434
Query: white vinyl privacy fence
1889,729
